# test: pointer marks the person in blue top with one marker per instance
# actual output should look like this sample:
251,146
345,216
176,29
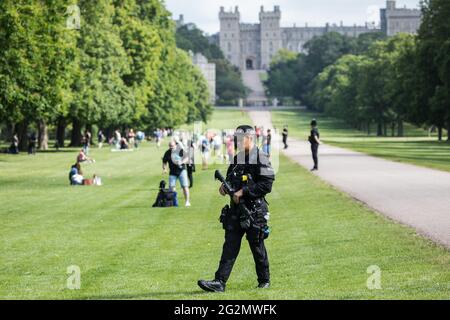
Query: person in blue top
76,175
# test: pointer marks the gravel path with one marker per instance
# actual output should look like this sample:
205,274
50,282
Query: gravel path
415,196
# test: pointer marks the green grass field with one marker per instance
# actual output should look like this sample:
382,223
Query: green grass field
416,148
321,246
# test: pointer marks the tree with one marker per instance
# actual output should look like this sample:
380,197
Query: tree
34,66
321,52
101,96
283,76
193,39
432,104
400,86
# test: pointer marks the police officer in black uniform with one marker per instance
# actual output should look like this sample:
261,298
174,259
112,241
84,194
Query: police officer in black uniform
314,139
252,176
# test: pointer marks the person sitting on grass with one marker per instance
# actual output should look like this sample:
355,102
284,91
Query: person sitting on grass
82,157
123,144
76,175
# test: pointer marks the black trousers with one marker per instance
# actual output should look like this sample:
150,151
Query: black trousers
232,246
315,151
190,171
285,142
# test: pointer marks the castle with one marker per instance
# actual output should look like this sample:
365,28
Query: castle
252,46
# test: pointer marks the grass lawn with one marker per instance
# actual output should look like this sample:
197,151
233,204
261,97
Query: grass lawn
416,148
321,246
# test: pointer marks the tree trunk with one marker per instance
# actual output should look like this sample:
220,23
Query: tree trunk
108,133
75,140
440,133
393,129
368,129
42,135
22,134
379,129
448,130
400,129
60,133
10,129
384,129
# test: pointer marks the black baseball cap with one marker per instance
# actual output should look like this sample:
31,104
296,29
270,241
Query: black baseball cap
245,129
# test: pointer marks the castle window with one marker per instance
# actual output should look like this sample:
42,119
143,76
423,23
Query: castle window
229,46
229,25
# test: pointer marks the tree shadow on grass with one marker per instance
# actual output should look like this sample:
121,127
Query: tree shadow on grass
149,295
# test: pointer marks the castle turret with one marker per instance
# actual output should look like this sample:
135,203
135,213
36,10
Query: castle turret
230,35
390,5
271,41
395,20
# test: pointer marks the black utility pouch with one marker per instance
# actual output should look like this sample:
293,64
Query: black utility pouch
245,217
224,214
260,211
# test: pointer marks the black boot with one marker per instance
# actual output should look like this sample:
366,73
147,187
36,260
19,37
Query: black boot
212,286
264,285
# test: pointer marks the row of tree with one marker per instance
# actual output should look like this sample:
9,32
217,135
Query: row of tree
369,88
383,83
229,85
291,74
109,63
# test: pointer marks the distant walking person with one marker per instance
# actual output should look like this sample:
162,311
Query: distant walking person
191,164
32,143
205,153
268,143
14,148
314,139
285,137
131,138
86,141
100,138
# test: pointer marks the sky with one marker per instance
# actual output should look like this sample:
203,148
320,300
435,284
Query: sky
204,13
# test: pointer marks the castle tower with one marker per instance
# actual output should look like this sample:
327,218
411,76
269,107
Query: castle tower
395,20
271,41
390,5
230,35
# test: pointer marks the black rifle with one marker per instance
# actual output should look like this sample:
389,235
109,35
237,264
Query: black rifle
245,215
